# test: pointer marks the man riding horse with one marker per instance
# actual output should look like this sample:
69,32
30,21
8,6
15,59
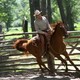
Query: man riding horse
42,26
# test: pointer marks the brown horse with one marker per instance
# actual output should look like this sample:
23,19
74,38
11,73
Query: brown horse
58,45
33,48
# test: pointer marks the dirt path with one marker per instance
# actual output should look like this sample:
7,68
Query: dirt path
37,76
20,77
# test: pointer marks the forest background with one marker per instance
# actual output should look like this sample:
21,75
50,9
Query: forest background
12,13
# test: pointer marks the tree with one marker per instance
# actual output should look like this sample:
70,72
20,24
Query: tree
69,14
61,8
36,4
31,14
49,12
6,14
25,26
43,7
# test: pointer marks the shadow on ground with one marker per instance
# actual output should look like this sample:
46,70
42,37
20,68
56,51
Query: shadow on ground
50,78
34,75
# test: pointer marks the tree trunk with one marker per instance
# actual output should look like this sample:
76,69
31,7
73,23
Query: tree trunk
25,27
8,24
63,16
36,4
49,12
31,14
43,7
69,15
0,28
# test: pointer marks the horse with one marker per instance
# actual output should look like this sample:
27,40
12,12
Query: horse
29,46
58,45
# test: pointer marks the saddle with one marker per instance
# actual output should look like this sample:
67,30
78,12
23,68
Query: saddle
38,40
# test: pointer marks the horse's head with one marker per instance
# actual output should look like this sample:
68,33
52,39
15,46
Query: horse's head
19,44
59,27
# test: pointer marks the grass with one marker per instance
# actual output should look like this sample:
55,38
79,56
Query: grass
16,30
12,31
77,26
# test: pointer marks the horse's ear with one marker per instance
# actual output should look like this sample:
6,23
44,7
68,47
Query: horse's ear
52,25
59,22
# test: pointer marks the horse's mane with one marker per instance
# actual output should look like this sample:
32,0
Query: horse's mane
55,25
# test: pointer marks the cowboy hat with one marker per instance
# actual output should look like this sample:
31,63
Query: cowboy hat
37,12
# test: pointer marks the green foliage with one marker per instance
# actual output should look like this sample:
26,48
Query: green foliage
21,10
75,10
77,26
12,31
5,9
55,11
13,11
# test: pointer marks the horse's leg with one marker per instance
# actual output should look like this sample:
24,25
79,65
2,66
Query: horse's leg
42,64
63,61
59,57
39,63
45,66
68,58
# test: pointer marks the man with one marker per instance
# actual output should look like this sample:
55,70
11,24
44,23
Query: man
42,26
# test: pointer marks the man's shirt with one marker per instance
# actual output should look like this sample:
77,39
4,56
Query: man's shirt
42,24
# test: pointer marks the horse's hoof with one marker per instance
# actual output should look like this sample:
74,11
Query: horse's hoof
78,70
66,70
52,73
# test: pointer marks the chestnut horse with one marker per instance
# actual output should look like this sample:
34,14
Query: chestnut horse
58,45
33,48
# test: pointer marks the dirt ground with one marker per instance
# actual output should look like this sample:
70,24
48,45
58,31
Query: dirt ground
29,75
